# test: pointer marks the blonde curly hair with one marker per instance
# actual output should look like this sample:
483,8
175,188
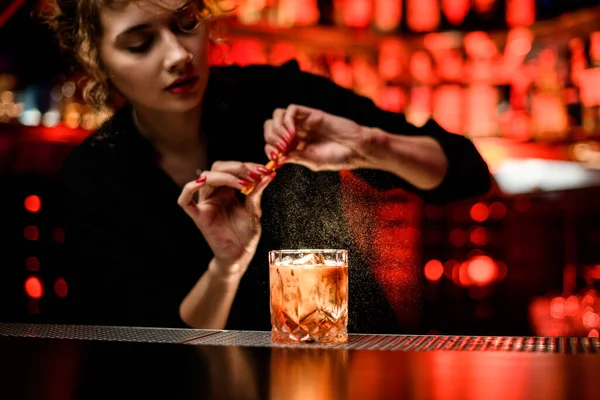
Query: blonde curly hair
77,26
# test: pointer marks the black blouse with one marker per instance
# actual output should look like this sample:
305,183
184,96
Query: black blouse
134,254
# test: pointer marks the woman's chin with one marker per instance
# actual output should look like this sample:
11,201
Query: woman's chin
180,105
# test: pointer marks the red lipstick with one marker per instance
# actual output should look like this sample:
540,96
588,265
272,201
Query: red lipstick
183,85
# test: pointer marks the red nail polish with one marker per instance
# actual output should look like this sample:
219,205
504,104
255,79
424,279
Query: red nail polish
201,179
273,156
280,147
245,182
254,175
263,170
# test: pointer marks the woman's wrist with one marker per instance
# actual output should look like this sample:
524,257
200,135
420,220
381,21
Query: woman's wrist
374,147
226,272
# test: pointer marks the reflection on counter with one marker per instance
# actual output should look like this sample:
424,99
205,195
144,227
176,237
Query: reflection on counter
298,374
35,368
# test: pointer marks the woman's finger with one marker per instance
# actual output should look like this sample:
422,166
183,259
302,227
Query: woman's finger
249,171
308,120
253,199
218,179
289,116
284,135
276,136
186,198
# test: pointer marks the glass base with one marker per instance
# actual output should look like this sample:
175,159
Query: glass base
332,337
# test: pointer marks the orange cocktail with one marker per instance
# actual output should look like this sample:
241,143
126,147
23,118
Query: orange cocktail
309,295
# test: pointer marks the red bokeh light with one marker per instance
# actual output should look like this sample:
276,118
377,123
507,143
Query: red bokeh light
572,306
31,233
456,10
393,99
480,104
479,212
32,264
557,308
357,13
520,12
422,15
33,203
590,319
482,270
434,270
341,73
497,210
479,236
448,107
421,67
34,287
60,288
462,275
502,270
387,14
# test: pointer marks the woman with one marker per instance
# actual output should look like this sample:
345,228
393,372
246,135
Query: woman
151,243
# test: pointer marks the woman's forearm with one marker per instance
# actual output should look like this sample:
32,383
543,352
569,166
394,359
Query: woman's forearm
419,160
208,304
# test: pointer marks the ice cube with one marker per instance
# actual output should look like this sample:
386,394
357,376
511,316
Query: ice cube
286,260
310,259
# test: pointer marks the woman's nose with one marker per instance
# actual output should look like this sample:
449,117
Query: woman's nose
177,56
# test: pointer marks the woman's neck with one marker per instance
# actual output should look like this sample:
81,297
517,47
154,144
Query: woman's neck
170,132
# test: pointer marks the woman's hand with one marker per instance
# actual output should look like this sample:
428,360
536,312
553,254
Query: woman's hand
317,140
232,228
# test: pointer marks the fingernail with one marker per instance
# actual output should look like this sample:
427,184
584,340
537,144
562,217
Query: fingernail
280,147
245,182
285,139
263,170
201,179
273,156
254,175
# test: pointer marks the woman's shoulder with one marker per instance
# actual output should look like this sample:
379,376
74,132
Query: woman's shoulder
259,73
286,83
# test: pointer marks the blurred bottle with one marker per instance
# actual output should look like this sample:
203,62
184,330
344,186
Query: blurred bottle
576,63
548,108
353,13
589,82
9,110
387,15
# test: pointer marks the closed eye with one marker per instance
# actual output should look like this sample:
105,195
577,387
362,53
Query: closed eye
140,48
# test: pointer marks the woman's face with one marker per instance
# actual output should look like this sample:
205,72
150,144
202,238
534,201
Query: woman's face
157,59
